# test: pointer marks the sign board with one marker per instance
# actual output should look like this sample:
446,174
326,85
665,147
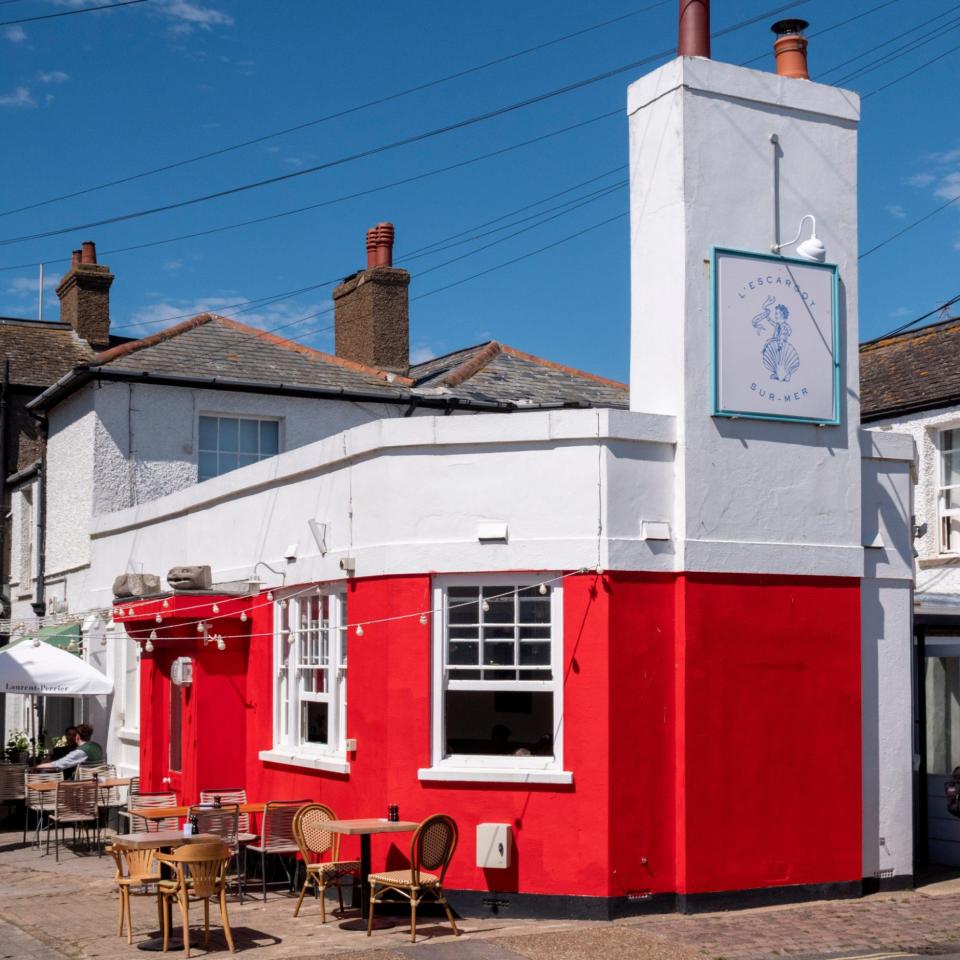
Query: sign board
776,338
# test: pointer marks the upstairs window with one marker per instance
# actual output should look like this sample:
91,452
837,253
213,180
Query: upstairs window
226,443
949,491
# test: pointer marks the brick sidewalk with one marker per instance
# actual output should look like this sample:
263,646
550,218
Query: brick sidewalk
68,910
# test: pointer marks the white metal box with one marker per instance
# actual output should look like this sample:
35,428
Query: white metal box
493,845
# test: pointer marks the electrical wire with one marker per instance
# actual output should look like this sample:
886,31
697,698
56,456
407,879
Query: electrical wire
910,73
335,200
71,13
339,113
906,326
908,227
382,148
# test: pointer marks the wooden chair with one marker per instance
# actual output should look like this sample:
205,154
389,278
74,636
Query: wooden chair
200,873
153,801
222,821
107,797
33,799
276,836
76,806
431,849
133,791
315,842
138,873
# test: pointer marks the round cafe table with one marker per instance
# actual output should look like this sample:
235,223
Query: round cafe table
365,828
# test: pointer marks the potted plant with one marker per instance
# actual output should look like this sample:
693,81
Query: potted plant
17,747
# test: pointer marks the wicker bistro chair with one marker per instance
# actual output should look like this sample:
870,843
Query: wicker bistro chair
315,843
223,821
431,849
76,806
38,802
138,873
276,836
153,801
12,788
200,873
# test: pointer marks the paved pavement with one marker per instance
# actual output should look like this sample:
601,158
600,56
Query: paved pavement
51,911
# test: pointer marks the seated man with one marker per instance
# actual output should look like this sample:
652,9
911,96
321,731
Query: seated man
86,752
70,738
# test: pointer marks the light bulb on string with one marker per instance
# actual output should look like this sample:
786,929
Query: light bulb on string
221,643
270,595
243,616
283,604
543,589
216,608
148,646
485,606
201,627
153,634
290,637
359,629
599,570
166,604
423,619
158,618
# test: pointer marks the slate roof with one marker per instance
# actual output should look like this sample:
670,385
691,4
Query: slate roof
222,352
40,352
910,372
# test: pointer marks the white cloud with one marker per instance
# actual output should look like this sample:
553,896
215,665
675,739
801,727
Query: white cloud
285,319
949,186
895,210
900,312
27,286
173,265
54,76
19,98
921,180
15,34
188,16
421,353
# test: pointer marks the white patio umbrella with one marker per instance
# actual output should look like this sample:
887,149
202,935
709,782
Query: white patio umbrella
35,668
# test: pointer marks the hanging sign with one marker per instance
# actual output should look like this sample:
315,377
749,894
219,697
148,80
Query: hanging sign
776,338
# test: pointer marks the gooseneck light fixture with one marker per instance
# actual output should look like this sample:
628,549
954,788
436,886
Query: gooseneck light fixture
812,248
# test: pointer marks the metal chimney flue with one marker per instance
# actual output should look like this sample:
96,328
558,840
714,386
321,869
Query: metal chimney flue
790,48
694,29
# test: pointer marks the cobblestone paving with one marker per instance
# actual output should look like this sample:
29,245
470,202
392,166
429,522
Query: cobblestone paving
51,911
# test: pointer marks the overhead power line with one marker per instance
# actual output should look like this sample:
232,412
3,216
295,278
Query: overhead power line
910,73
346,111
71,13
382,148
946,305
909,227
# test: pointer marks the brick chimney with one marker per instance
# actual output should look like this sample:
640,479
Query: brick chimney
371,309
85,296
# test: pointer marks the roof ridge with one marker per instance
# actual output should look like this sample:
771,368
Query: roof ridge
563,368
298,347
125,349
473,365
906,334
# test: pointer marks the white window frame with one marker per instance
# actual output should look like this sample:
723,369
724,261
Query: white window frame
490,768
288,696
943,512
230,415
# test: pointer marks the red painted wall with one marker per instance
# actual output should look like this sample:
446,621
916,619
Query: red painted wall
768,732
712,724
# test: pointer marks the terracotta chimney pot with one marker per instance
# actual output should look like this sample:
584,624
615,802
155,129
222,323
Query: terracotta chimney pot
74,259
790,48
371,247
88,252
384,244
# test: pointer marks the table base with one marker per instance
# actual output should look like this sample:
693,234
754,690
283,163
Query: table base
379,923
155,944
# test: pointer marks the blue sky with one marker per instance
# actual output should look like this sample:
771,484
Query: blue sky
91,98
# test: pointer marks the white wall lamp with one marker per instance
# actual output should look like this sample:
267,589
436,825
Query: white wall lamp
812,248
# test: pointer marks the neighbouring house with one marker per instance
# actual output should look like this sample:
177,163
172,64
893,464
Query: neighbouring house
911,384
663,653
144,418
33,355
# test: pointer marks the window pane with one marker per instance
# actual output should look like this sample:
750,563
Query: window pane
951,534
227,462
951,468
498,654
498,724
269,437
951,498
229,434
249,441
313,722
463,605
498,633
948,440
208,433
535,654
463,653
534,633
207,466
535,610
464,633
313,680
498,610
246,458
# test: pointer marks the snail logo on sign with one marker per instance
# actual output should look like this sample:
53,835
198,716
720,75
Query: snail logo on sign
775,330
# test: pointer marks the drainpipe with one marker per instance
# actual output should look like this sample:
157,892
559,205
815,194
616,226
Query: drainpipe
4,389
40,598
693,34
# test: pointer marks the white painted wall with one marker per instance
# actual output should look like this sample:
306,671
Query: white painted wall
938,574
751,495
887,653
